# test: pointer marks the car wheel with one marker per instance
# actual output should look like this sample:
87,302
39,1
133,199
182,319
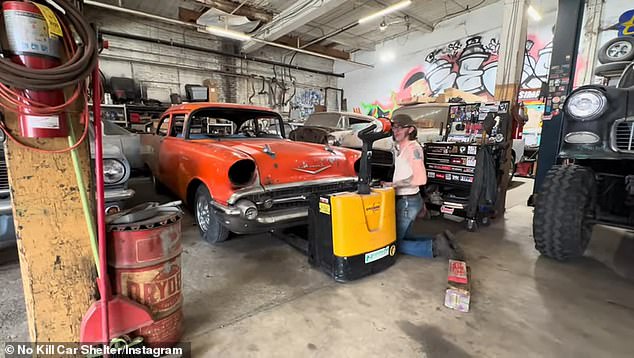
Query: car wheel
159,187
611,69
617,50
560,227
211,230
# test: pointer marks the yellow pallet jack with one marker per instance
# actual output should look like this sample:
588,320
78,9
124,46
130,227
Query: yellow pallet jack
353,234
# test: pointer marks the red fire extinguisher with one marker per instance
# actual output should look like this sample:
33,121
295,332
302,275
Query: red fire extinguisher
32,45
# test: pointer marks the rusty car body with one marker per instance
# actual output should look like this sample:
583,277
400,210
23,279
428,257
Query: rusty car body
232,165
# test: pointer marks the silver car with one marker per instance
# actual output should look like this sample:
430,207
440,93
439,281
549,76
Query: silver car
116,175
129,143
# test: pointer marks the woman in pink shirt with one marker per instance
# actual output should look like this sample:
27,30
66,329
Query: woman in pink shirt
409,175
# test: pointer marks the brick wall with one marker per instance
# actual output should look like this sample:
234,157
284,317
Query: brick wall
163,69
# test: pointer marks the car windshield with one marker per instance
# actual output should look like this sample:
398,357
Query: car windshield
328,120
425,116
359,126
110,128
234,123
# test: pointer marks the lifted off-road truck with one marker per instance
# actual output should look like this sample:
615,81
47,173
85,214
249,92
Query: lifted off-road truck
595,182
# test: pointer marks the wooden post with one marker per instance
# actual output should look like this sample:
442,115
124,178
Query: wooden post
58,271
509,77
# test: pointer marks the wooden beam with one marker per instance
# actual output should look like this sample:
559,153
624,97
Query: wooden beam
58,271
252,13
188,15
324,50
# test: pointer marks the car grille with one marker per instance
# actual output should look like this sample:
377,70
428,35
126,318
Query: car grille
623,136
381,157
4,176
298,196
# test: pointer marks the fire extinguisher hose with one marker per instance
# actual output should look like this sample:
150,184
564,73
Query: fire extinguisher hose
72,72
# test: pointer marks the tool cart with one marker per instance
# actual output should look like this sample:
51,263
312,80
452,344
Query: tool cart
463,170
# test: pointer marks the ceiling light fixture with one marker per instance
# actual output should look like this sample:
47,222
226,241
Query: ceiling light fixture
533,13
387,10
383,25
218,31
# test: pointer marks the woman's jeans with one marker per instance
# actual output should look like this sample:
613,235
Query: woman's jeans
407,208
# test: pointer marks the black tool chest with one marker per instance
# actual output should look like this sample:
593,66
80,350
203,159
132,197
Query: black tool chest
452,165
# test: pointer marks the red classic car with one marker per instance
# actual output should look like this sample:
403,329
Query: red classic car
233,166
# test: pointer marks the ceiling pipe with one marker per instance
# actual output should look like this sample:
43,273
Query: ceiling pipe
203,28
215,52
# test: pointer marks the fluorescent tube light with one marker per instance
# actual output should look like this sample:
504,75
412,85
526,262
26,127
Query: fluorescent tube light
387,10
218,31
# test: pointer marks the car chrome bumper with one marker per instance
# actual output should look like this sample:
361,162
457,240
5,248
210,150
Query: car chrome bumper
113,195
5,207
231,218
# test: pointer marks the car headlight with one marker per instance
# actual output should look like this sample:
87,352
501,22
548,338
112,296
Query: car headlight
586,105
113,171
331,140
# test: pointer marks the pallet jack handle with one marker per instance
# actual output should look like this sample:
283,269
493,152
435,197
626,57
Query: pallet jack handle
381,129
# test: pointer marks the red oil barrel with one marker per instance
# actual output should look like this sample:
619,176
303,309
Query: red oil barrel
144,259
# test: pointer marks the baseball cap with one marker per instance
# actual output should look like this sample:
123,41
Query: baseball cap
403,120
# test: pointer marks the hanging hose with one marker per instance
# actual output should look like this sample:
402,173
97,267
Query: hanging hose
83,193
72,72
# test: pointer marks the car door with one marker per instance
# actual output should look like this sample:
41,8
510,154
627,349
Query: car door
151,145
171,156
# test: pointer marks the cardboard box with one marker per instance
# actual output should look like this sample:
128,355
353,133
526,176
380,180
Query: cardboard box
458,292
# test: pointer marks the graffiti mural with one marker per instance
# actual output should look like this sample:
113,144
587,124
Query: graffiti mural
304,102
626,23
469,65
536,63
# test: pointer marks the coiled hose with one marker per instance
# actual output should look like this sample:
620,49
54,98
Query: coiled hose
72,72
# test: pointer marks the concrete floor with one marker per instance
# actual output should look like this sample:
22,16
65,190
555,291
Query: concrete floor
257,296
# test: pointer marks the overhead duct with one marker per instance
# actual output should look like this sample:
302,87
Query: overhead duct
218,18
206,28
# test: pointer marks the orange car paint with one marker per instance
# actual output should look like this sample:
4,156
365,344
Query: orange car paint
179,162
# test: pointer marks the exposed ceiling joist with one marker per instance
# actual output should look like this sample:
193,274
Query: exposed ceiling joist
234,7
293,17
296,42
188,15
347,40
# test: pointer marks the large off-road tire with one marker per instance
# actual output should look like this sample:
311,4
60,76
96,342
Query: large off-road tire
211,230
560,226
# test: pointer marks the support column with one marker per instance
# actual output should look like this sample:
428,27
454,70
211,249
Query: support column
58,272
590,39
562,70
509,77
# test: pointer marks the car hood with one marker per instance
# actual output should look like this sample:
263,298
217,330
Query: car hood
109,151
283,161
350,139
